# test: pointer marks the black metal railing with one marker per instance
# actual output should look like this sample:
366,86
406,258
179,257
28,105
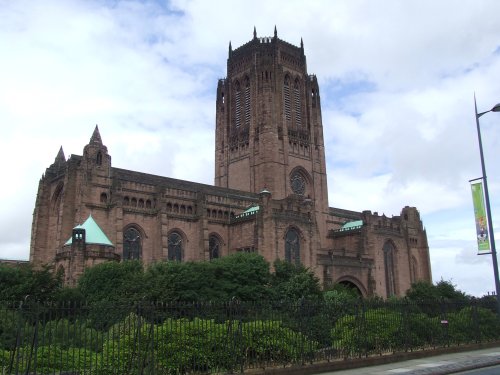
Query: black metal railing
182,338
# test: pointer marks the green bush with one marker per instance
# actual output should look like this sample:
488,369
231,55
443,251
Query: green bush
197,345
49,360
66,334
473,324
382,330
15,328
270,341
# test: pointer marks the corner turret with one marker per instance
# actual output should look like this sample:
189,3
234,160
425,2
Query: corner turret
95,154
60,158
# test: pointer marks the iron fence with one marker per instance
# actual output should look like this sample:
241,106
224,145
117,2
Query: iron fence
181,338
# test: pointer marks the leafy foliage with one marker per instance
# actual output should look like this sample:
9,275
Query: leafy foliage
292,282
423,291
381,329
241,276
19,283
117,282
198,345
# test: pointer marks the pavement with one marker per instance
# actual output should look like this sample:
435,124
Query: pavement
437,365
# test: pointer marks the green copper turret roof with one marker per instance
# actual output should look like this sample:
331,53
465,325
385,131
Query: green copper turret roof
93,233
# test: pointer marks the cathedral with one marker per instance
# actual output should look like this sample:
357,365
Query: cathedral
269,196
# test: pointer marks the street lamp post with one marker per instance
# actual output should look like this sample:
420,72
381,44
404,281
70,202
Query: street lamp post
496,108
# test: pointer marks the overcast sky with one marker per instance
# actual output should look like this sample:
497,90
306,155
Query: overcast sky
397,80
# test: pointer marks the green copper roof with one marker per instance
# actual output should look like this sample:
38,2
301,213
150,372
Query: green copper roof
252,209
352,225
93,233
249,211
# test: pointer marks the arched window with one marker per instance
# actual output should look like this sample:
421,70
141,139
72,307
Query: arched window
104,198
390,281
175,246
132,244
140,203
126,201
292,246
298,183
286,99
237,105
247,101
297,103
148,203
413,269
98,159
133,202
57,198
213,247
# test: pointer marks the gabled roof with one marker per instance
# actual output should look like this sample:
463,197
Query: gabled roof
93,233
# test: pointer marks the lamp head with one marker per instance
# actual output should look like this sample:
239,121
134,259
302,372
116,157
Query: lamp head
496,108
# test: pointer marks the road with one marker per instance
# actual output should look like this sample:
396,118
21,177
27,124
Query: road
494,370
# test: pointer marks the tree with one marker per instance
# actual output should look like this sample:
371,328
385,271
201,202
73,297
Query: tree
242,276
24,281
423,291
114,282
293,282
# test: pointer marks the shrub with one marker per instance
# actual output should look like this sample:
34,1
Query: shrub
197,345
382,330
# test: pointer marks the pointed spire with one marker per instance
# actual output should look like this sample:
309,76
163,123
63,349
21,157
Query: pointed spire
230,48
254,33
275,31
301,43
60,158
96,136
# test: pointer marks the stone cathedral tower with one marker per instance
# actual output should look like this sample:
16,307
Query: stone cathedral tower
268,117
269,133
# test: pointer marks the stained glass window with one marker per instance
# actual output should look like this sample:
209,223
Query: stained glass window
214,247
389,269
132,244
292,246
175,246
298,183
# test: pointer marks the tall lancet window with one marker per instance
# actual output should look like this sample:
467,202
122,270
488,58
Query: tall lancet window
132,244
286,99
175,246
297,103
247,101
390,279
292,246
237,104
213,247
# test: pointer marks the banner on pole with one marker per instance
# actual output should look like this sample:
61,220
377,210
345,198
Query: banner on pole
483,240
